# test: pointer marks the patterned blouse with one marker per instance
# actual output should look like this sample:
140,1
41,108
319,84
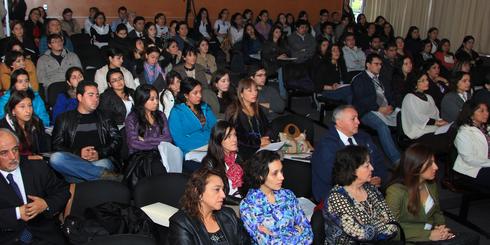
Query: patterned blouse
284,218
348,220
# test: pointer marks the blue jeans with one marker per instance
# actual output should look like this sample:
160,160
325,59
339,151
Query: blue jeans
343,94
384,134
76,170
280,80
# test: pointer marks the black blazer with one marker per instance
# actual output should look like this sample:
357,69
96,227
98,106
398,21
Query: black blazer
39,180
111,104
185,230
364,93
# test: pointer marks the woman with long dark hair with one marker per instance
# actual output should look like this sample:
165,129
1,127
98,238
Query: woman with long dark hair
203,219
171,54
146,126
274,50
251,44
444,54
169,95
19,35
190,68
460,92
115,59
438,85
202,25
150,36
33,26
221,95
17,60
222,156
263,26
413,197
403,78
151,72
413,43
236,29
20,118
67,100
117,99
205,59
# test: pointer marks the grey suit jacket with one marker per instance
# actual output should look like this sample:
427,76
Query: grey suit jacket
451,106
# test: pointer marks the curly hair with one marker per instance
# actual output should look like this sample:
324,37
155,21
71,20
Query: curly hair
346,162
256,169
191,201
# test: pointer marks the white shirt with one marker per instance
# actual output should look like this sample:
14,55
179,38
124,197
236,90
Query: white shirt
222,26
20,183
345,138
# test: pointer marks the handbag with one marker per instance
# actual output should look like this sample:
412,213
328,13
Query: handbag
295,140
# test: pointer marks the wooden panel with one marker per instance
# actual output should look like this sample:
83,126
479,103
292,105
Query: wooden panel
175,9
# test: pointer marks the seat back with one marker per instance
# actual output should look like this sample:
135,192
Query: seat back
123,239
80,40
318,227
297,178
54,89
145,191
92,193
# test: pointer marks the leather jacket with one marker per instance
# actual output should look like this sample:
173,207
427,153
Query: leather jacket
64,132
185,230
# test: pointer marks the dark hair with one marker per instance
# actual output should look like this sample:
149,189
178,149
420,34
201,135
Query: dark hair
66,11
11,57
140,96
216,155
113,52
389,45
346,163
220,15
466,39
455,78
431,30
301,22
217,75
158,15
122,8
54,36
121,27
246,36
70,71
263,11
271,34
256,169
147,26
186,86
179,24
81,86
138,18
428,64
378,18
108,79
14,75
302,13
441,43
27,133
198,44
358,19
371,57
195,187
152,49
292,16
323,11
469,108
408,173
188,49
234,109
169,78
233,19
32,10
409,32
425,42
99,14
319,47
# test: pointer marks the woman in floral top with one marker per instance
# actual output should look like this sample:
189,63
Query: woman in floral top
271,214
355,210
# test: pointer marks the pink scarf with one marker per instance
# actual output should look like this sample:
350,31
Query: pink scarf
234,172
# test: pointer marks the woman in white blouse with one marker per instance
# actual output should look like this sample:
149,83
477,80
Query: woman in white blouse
420,118
168,96
472,143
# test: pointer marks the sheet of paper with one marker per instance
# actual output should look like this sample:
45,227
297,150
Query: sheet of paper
272,146
443,129
197,154
301,157
159,213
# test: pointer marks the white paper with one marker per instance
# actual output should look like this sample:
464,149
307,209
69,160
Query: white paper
443,129
171,157
272,147
197,154
307,206
301,157
159,213
343,85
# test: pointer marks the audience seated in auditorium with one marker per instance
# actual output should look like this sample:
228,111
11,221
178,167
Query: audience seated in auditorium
205,59
413,43
69,25
32,196
423,56
150,72
221,94
19,35
189,68
146,126
53,26
67,100
263,25
122,18
472,143
100,31
268,98
115,59
161,25
413,197
344,130
251,44
249,119
373,98
86,142
345,208
182,38
301,44
271,214
52,66
21,119
20,82
354,58
169,95
191,121
203,219
460,92
116,101
438,85
222,156
90,20
15,60
328,70
420,118
150,36
139,26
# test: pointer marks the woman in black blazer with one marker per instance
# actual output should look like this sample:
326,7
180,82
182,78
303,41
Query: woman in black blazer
117,99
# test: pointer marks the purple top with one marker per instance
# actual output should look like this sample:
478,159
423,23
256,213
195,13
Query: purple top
152,138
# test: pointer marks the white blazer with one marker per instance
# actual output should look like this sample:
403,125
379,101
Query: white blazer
472,151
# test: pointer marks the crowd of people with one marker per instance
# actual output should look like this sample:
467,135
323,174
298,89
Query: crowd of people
162,82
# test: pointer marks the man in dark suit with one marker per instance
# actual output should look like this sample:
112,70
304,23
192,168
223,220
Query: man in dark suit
344,132
31,196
